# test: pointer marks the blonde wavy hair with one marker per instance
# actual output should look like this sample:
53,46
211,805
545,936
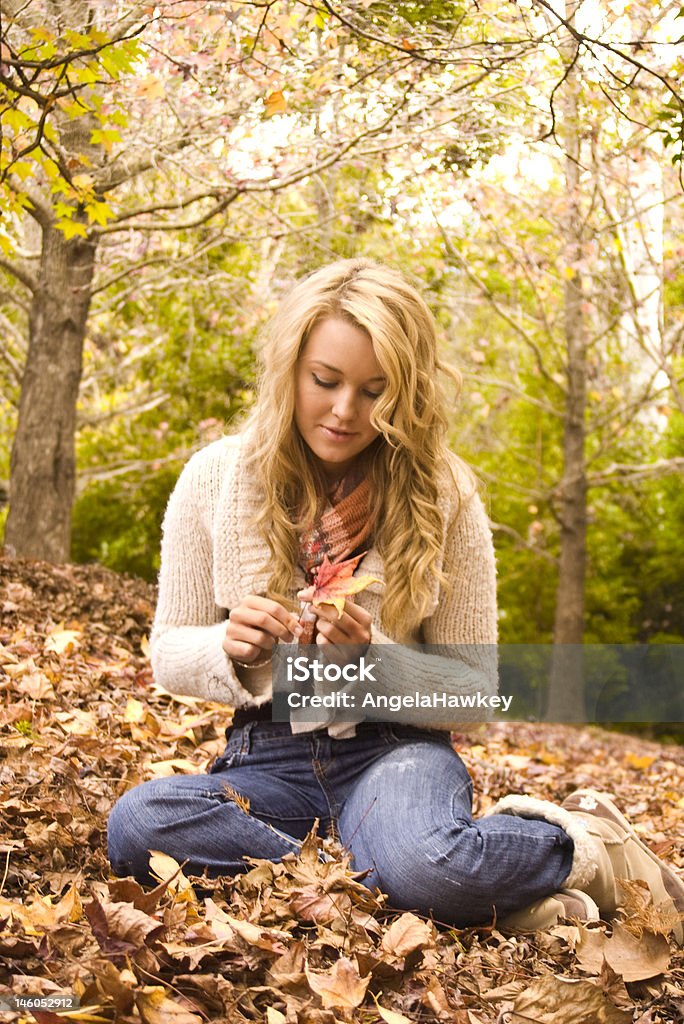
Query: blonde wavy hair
409,416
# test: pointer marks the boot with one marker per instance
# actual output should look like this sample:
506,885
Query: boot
606,849
546,912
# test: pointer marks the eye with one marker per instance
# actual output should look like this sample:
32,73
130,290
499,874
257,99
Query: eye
373,394
323,383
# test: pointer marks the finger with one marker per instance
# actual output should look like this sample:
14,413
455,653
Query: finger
266,606
247,635
242,651
356,612
351,628
340,632
326,610
280,624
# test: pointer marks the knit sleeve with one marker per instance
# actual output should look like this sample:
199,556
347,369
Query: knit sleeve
464,622
187,636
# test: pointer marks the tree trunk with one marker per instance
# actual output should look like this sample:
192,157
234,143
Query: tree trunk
566,694
43,461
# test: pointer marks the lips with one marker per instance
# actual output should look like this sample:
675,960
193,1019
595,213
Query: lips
337,435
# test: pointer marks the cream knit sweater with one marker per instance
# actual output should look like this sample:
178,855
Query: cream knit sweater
211,559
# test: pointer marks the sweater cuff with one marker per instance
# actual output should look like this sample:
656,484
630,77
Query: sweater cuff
191,660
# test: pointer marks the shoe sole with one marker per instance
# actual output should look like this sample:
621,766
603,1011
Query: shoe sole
673,884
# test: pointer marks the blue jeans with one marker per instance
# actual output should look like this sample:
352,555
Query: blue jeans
398,797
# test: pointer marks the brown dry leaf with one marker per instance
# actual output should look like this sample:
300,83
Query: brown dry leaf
341,986
634,959
77,722
42,837
237,798
121,921
127,890
407,933
287,972
155,1007
35,686
60,777
641,915
554,1000
312,903
435,998
391,1016
113,986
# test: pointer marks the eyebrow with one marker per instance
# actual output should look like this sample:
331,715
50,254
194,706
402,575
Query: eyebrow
334,369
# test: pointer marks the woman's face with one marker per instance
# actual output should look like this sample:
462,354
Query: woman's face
338,379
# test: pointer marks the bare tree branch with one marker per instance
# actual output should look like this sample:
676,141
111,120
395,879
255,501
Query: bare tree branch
522,543
162,225
134,409
627,472
94,475
505,385
22,274
505,316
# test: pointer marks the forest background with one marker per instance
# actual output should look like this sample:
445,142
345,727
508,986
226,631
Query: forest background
168,170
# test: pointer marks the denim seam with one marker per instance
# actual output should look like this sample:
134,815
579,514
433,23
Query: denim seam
319,773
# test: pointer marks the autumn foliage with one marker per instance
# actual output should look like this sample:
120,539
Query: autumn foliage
301,941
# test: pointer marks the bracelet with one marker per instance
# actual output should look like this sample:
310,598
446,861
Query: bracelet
253,664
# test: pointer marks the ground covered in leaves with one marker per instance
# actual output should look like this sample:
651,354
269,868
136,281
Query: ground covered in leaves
302,942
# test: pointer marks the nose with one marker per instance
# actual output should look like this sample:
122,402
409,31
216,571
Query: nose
344,405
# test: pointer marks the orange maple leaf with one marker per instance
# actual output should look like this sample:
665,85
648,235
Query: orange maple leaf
334,582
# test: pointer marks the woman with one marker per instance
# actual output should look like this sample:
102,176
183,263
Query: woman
343,454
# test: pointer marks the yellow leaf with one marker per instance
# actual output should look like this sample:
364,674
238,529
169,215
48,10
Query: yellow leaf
151,88
77,723
70,228
274,1016
70,907
99,213
135,710
155,1007
166,869
640,763
569,273
62,640
174,766
84,181
275,103
86,1015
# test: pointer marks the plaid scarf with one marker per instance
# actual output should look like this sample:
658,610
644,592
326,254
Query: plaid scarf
342,529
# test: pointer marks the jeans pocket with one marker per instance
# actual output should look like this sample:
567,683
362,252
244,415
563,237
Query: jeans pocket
226,760
236,748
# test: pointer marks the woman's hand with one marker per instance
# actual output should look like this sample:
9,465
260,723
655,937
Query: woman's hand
352,627
254,627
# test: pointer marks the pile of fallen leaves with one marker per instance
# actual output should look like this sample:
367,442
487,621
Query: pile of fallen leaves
301,942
